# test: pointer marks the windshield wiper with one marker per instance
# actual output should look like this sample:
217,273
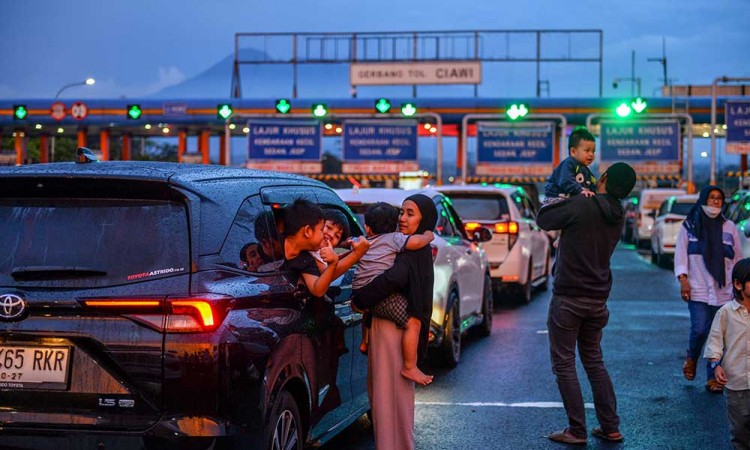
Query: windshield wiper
54,272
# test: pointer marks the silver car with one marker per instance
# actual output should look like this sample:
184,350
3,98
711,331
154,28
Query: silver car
462,295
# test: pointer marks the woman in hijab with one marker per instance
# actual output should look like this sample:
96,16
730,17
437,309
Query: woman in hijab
391,395
707,249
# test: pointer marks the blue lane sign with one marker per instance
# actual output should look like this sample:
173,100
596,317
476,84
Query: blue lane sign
380,140
515,143
737,117
287,140
640,141
174,109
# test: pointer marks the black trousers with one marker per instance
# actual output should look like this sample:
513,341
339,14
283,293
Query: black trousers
579,321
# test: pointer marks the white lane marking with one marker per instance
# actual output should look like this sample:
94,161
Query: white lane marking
501,404
542,331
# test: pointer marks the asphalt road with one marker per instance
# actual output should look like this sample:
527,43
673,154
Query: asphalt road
503,395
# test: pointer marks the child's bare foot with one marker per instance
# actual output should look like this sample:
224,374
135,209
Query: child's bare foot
416,375
363,347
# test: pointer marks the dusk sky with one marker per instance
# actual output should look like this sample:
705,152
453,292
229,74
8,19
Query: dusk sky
137,47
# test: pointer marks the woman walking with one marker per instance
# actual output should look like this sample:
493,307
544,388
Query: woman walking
707,249
392,395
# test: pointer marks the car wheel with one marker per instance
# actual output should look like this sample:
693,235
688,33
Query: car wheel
654,257
284,430
450,351
527,288
485,329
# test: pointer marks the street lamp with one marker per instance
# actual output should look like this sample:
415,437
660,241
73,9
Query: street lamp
87,82
633,81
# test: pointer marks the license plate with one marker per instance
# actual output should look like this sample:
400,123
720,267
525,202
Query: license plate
23,367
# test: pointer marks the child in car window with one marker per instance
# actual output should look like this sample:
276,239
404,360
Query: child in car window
572,176
250,256
303,232
381,221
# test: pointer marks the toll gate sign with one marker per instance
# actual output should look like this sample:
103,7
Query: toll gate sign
383,146
514,148
737,115
651,147
286,146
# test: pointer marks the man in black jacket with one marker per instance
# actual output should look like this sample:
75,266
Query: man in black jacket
578,313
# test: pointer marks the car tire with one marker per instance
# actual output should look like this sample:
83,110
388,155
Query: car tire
528,287
485,328
450,350
284,429
654,257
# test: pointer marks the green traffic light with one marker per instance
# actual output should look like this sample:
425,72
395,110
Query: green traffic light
408,109
20,112
638,105
517,111
283,106
383,106
319,110
224,111
134,112
623,110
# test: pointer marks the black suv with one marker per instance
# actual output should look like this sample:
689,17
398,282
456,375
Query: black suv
128,306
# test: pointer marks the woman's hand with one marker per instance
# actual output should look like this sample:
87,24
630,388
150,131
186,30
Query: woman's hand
684,289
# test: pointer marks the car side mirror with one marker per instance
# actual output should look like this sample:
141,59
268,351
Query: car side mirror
481,234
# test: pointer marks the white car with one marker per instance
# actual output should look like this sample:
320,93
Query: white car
462,294
738,212
519,252
667,223
646,203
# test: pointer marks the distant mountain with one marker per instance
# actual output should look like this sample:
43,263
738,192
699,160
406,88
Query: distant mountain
313,81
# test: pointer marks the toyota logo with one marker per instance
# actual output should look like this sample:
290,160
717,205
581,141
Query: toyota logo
12,307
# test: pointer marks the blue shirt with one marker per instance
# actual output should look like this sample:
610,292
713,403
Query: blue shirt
569,179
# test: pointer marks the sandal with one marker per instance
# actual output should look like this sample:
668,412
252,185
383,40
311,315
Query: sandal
714,387
688,369
565,437
615,436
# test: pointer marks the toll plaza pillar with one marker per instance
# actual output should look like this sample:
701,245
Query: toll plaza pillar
223,154
127,143
104,144
43,149
82,137
204,146
181,144
20,145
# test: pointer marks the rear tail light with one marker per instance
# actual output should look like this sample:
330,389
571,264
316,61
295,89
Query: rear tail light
509,228
195,314
672,220
638,220
434,253
471,226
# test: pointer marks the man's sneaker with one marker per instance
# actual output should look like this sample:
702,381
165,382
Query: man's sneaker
688,369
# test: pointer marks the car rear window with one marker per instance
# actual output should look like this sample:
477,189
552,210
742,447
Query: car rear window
485,207
91,242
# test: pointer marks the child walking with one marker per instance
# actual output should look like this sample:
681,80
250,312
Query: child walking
381,219
728,350
572,176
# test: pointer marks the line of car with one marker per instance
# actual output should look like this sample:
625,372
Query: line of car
126,308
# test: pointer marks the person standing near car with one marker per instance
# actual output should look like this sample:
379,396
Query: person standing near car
578,313
707,249
412,273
